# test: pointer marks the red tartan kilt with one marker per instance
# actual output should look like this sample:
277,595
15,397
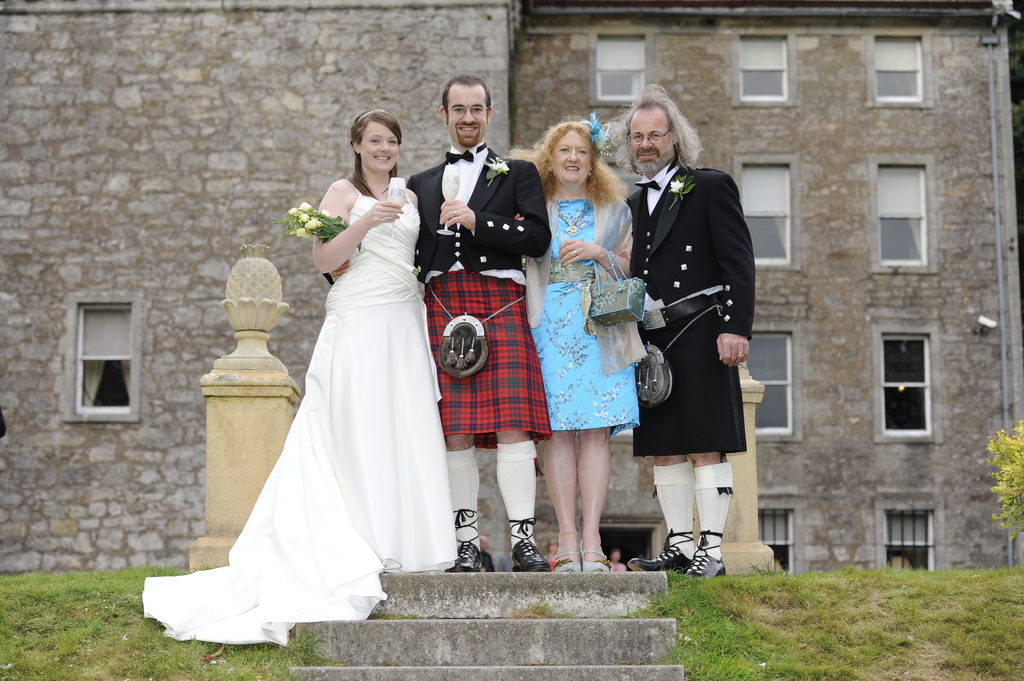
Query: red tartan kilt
508,393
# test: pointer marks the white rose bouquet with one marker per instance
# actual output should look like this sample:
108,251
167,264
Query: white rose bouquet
305,222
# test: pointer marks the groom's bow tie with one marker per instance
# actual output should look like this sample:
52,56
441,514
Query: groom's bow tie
649,185
467,155
455,158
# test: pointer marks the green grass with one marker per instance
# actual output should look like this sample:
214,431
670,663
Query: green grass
848,625
89,625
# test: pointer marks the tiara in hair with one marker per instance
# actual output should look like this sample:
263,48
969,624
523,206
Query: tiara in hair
371,111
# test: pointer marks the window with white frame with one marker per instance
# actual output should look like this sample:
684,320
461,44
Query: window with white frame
775,527
902,228
766,207
104,359
771,363
621,64
763,69
898,70
910,539
906,387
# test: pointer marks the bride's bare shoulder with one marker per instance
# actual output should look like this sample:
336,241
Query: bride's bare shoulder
340,198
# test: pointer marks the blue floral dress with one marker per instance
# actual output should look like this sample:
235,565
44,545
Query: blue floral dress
579,396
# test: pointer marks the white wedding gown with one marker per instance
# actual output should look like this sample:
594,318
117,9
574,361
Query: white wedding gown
362,483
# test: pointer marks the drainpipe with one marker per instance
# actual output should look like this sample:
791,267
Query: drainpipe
991,41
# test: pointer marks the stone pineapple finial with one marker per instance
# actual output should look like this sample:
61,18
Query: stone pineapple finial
253,276
253,307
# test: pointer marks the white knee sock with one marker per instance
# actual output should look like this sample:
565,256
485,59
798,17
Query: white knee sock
675,494
714,492
517,480
464,476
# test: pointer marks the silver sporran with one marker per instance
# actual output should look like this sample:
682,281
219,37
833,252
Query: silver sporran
463,349
653,378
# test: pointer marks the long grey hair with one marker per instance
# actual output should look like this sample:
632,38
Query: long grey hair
687,142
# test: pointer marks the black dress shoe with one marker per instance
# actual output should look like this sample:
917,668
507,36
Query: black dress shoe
526,558
468,559
704,565
670,558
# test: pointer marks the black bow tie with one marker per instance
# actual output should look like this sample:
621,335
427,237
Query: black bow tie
649,185
455,158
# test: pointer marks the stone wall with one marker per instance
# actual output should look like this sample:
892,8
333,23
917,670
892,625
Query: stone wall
143,143
835,472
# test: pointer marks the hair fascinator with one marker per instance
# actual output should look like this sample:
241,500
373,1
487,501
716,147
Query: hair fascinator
600,137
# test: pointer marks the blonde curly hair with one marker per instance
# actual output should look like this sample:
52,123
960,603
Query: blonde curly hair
603,187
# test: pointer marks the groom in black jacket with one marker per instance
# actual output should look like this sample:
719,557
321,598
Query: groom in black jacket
498,216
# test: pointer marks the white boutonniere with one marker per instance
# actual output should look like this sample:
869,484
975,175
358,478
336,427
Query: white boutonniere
679,187
496,166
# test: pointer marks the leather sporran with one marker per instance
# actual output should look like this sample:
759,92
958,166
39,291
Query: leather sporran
463,350
653,378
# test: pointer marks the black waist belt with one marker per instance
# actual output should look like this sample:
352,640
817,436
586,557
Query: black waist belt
656,319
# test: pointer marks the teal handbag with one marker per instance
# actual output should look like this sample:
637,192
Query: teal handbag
618,302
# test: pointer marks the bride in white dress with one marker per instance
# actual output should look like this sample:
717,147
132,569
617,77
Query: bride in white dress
361,485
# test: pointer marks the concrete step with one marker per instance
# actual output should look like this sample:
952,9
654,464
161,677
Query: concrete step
574,673
496,643
504,594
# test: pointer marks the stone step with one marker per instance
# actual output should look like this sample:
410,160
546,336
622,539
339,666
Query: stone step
495,643
505,594
560,673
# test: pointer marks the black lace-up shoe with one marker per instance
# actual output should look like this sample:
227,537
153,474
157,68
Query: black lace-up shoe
704,565
526,558
670,558
468,559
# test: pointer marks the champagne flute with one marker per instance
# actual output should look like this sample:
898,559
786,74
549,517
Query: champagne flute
396,194
449,189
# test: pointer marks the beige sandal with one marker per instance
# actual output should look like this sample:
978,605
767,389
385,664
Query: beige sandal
601,565
566,564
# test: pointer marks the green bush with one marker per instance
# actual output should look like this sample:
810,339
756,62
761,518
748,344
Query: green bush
1008,457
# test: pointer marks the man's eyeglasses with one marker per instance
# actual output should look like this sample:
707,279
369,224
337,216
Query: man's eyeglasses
652,137
459,110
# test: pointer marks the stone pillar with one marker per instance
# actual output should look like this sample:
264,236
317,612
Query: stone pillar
742,551
250,403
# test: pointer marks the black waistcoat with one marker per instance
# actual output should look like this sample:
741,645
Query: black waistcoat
445,252
645,239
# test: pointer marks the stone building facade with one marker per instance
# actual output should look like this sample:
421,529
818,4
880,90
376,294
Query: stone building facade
800,93
145,141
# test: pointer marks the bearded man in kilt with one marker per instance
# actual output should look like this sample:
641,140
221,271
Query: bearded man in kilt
498,216
692,248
